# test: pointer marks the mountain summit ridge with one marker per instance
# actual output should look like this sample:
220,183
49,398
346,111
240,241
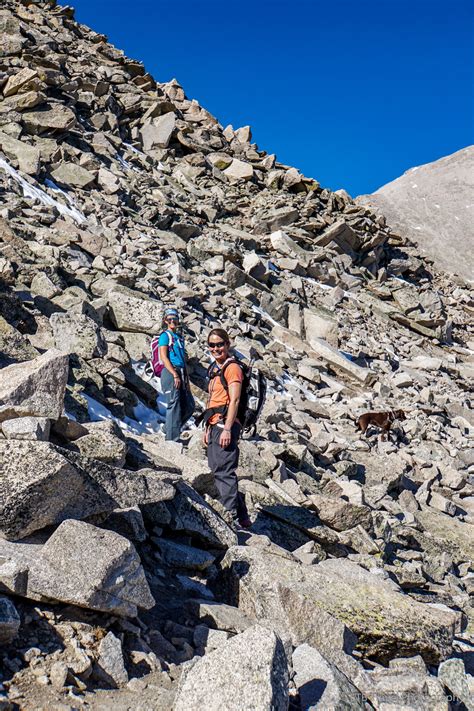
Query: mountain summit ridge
433,205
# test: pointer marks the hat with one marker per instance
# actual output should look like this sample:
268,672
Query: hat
171,312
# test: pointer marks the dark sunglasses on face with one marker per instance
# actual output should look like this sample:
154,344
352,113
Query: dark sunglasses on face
219,344
172,320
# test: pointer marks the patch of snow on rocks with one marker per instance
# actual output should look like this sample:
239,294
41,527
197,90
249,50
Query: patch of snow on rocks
35,193
146,420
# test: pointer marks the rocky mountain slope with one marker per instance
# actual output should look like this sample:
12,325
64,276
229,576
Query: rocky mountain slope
121,584
433,206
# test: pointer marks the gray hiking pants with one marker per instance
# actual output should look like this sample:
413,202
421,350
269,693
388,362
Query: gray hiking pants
223,464
179,404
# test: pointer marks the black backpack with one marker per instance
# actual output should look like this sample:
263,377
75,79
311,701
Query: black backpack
252,397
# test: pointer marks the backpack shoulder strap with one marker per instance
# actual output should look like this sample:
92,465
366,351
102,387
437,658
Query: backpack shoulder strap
228,362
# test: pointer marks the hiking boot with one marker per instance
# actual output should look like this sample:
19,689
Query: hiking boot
240,524
244,522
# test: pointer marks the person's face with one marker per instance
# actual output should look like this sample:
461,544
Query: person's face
172,322
218,347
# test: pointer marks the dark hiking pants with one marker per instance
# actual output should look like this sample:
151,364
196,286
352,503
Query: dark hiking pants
179,404
223,464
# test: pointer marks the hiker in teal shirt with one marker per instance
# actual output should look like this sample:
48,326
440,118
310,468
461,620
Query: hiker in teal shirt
169,362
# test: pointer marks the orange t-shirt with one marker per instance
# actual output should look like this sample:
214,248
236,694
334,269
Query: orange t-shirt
217,393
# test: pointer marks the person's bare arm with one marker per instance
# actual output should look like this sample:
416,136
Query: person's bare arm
164,357
235,390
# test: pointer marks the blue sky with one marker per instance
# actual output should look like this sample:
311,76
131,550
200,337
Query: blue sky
351,92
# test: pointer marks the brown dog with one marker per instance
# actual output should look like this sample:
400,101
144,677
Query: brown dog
383,420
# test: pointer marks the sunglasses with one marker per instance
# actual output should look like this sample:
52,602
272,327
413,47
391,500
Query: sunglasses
220,344
172,319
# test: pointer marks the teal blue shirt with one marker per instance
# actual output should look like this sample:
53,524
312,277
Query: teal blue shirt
175,344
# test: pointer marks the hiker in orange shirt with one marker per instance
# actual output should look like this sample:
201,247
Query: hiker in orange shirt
222,426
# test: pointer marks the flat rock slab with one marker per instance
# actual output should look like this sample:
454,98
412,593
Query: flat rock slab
456,537
322,685
42,485
110,662
71,174
219,616
82,565
334,357
35,387
133,311
249,671
53,117
386,622
189,512
182,556
35,428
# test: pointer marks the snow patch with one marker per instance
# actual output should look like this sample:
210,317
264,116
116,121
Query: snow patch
265,315
287,381
133,149
125,164
35,193
75,213
145,420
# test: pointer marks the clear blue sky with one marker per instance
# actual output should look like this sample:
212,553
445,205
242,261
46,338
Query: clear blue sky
351,92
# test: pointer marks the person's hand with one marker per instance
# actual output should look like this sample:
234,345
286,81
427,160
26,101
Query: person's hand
225,439
205,437
177,381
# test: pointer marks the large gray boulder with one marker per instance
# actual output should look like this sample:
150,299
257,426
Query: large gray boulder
82,565
386,621
52,117
321,684
249,671
432,205
239,170
133,311
36,428
28,157
335,358
158,132
79,334
34,387
42,485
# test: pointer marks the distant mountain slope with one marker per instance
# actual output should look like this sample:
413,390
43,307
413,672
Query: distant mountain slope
434,206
